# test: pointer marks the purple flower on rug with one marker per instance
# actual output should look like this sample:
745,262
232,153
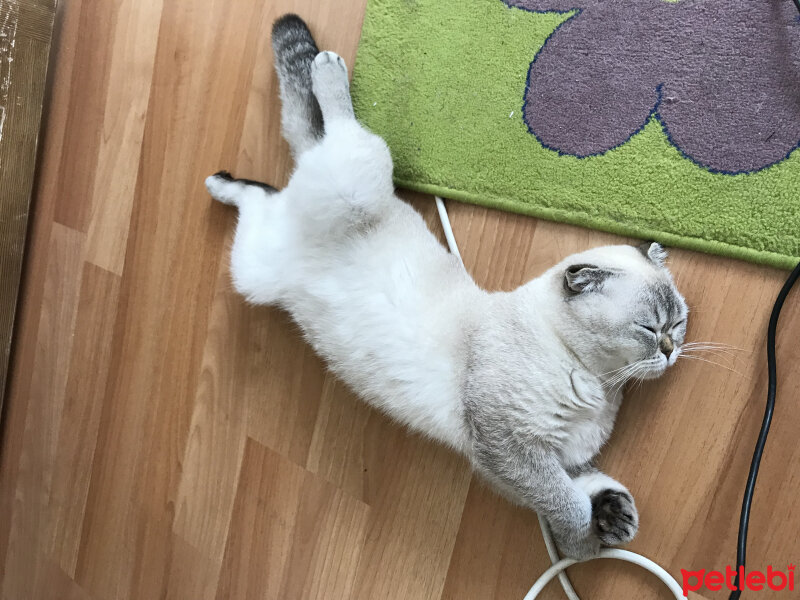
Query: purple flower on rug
722,77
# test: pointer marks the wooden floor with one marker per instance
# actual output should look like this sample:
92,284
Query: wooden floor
164,440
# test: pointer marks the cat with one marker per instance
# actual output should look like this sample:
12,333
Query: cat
525,384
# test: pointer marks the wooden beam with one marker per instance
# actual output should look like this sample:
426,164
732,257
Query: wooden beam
26,28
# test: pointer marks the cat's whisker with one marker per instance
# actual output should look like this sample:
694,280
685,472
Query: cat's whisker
622,374
711,362
715,349
710,349
634,371
616,384
638,379
613,371
720,354
715,345
637,383
620,370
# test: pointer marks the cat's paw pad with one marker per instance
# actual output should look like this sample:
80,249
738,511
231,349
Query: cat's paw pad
614,517
328,71
329,60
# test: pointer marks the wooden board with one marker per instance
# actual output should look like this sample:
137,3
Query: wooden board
26,28
166,440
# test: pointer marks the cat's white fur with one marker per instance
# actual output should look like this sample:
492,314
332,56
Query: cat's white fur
515,381
392,302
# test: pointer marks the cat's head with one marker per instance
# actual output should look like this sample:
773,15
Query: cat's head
620,310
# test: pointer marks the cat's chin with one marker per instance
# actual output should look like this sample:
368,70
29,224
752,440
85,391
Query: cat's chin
656,368
654,373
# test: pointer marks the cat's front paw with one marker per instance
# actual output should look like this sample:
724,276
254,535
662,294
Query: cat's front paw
614,517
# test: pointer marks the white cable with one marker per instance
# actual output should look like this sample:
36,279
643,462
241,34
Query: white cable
615,553
448,229
559,566
552,552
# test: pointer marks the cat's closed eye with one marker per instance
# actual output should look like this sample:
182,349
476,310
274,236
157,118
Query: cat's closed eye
647,328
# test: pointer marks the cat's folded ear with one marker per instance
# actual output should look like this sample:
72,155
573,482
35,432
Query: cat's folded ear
585,278
655,252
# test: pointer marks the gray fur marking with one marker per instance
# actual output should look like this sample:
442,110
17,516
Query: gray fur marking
295,49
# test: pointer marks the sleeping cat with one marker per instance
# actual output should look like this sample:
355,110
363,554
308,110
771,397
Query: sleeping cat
525,384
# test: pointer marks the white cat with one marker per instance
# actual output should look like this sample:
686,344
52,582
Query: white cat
526,384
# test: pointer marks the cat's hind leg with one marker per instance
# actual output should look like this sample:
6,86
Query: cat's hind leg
345,182
331,87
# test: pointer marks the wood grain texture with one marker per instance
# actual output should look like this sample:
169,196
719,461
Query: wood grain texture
165,440
26,28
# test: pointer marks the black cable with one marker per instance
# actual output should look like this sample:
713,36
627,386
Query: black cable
747,501
762,436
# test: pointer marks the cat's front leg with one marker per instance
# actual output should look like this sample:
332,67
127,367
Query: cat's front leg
225,188
615,519
532,475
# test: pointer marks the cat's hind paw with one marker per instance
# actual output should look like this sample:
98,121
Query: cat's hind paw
331,87
328,68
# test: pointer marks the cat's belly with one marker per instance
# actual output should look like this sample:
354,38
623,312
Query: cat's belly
394,368
388,319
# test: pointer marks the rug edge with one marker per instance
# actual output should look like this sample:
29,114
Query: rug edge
715,247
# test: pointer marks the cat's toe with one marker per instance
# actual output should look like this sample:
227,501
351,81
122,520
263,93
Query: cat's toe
326,56
329,62
614,517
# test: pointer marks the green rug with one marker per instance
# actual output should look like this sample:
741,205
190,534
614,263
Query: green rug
630,117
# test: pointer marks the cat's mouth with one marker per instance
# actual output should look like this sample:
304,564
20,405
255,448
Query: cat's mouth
641,370
657,365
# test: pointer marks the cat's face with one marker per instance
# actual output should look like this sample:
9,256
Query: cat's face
622,313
